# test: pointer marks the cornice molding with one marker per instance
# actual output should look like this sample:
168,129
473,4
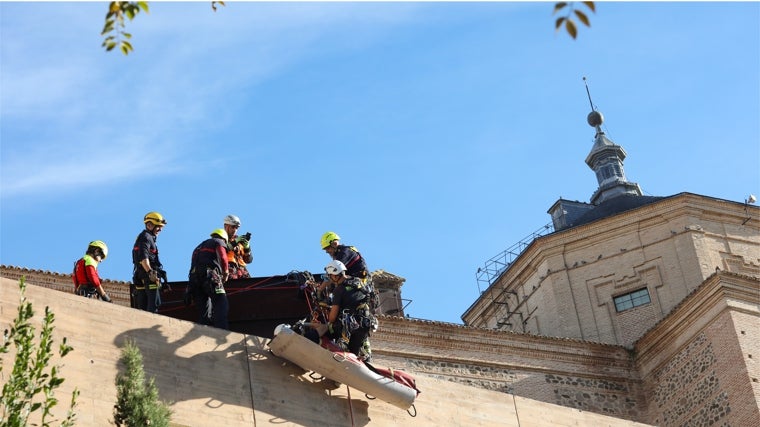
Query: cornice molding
411,338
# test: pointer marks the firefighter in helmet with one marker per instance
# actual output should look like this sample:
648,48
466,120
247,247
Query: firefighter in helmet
85,275
147,268
239,251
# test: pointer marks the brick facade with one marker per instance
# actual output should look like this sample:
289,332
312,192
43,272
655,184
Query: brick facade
214,377
695,366
564,283
698,258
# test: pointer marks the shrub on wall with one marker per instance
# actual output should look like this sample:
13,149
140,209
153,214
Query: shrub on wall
138,404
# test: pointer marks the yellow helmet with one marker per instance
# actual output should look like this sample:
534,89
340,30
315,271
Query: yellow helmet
220,232
327,238
154,218
98,244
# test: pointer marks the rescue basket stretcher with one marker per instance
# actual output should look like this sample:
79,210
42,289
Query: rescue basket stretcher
395,387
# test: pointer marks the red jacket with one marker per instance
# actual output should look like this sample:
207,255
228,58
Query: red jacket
86,272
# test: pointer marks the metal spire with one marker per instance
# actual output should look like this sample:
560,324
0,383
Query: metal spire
589,94
595,118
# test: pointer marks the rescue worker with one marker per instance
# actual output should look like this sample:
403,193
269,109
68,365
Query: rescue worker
349,314
147,267
209,271
238,248
85,275
350,257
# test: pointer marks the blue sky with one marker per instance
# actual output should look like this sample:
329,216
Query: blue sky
432,136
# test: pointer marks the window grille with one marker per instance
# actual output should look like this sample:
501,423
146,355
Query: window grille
632,299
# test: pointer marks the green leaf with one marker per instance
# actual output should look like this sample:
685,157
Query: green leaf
108,27
570,27
558,6
590,5
559,22
582,17
143,5
126,48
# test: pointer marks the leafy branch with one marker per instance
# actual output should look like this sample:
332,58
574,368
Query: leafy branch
567,19
114,28
29,376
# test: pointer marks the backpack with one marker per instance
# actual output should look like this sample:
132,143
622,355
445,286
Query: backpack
371,296
300,277
373,299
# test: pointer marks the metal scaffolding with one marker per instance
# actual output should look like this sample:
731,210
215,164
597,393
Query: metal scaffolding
498,264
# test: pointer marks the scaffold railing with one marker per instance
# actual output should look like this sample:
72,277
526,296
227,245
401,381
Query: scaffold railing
495,266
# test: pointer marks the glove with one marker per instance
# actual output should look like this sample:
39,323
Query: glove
242,240
153,276
188,298
106,298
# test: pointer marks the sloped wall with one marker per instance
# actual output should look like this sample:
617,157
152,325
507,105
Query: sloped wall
214,377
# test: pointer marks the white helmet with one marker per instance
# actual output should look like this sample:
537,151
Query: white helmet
335,267
232,220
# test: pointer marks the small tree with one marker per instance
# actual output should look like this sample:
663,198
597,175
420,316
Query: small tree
137,403
30,375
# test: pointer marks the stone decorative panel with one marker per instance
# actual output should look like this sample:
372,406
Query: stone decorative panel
617,328
686,367
489,378
690,399
688,391
596,395
712,414
738,264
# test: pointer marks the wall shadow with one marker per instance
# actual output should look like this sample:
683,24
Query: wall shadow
231,372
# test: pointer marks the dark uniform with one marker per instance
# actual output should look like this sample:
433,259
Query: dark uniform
352,259
208,269
145,294
354,316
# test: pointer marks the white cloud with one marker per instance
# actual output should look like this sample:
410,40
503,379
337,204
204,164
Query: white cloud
107,110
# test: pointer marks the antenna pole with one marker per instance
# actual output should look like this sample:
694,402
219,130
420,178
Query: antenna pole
589,94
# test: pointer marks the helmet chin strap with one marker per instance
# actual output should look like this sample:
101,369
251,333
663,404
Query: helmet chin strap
151,227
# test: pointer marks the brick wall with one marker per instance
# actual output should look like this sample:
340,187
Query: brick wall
117,290
568,278
697,365
214,377
591,377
